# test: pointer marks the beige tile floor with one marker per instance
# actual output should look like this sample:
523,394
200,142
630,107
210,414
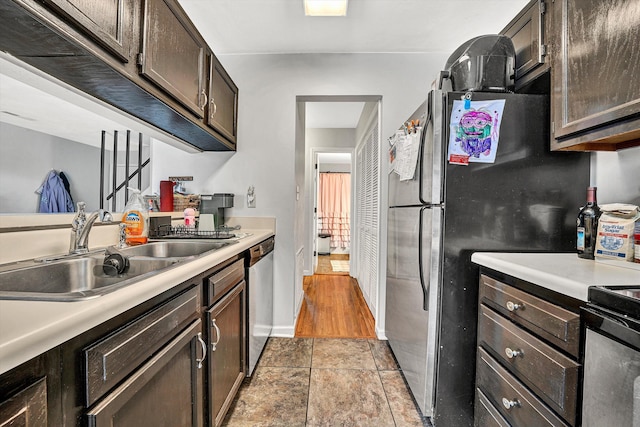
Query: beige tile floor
325,382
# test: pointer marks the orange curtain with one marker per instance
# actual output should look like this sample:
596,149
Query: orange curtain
334,207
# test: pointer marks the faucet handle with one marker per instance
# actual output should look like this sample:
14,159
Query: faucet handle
105,216
122,235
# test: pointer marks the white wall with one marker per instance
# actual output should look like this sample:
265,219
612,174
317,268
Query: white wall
266,155
617,176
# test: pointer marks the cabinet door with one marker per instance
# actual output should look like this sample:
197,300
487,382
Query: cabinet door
227,347
173,54
27,408
527,33
223,101
595,64
109,22
165,391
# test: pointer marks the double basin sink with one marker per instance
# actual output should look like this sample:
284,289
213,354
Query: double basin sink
81,277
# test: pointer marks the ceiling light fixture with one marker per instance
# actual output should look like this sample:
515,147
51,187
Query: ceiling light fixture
325,7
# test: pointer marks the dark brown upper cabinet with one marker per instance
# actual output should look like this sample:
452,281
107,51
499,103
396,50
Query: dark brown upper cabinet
595,64
173,54
527,31
108,22
223,102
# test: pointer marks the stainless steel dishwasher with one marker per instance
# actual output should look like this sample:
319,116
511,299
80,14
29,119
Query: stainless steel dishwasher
260,300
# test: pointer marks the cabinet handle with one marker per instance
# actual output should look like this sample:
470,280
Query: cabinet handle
508,404
204,94
204,350
512,306
513,353
214,344
215,107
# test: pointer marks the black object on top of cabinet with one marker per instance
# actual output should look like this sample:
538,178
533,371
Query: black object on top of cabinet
48,39
595,62
527,32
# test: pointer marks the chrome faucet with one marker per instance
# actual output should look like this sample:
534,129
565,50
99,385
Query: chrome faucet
81,226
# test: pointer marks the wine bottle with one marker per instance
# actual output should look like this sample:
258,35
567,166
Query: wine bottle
588,226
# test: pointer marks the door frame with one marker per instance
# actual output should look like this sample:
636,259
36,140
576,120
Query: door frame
314,179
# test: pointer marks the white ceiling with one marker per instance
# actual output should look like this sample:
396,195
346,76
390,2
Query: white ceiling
280,26
233,27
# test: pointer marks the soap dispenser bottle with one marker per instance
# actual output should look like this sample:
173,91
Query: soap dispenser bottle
136,217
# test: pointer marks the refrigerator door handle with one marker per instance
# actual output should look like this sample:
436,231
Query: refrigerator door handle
421,153
425,288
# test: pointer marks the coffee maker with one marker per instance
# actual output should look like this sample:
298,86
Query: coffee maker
216,204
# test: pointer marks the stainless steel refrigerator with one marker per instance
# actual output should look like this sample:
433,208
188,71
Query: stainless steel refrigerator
526,201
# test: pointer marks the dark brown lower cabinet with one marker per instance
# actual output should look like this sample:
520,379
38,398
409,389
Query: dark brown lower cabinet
226,320
27,408
527,368
165,391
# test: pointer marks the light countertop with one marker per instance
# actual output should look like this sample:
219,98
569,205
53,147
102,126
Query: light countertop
30,328
564,273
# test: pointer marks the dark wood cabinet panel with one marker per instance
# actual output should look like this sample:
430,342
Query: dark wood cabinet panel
226,322
27,408
173,54
552,375
528,349
514,401
30,393
223,101
115,357
555,324
527,31
595,64
109,22
165,391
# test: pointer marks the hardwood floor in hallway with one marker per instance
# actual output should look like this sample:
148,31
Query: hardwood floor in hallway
333,307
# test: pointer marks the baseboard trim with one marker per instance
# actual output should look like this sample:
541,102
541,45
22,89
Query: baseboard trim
283,331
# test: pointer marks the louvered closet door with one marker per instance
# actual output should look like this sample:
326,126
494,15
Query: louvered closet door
367,203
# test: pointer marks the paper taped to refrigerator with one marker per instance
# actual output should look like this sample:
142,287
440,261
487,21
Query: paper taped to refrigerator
475,132
405,157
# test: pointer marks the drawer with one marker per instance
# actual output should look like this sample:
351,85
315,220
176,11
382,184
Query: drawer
510,397
113,358
486,415
221,282
552,375
553,323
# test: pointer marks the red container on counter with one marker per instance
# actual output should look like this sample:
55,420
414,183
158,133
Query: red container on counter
166,196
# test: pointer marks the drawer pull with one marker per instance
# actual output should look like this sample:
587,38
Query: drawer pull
214,344
512,306
513,353
204,350
508,404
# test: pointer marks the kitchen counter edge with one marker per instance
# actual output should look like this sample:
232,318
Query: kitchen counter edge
30,328
564,273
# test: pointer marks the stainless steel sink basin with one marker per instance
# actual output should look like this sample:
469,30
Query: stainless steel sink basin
74,278
174,249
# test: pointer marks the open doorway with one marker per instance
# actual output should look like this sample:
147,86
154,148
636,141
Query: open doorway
332,215
327,302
